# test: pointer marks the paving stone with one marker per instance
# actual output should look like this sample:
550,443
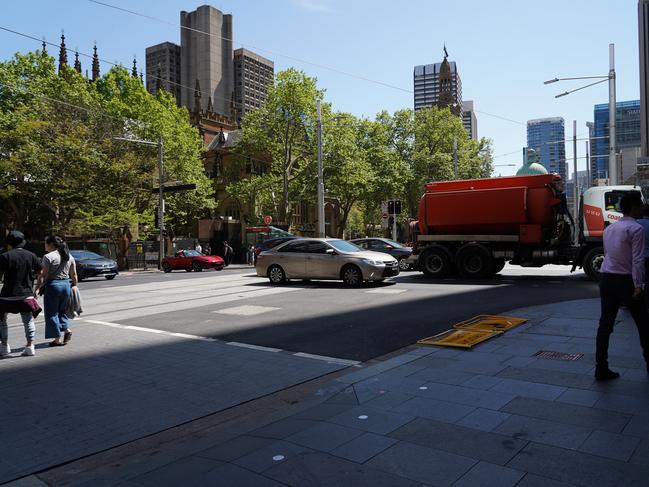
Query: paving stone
542,431
638,426
441,375
433,409
327,470
268,456
321,412
578,468
568,414
484,382
483,419
364,447
464,395
325,436
182,471
641,454
610,445
531,480
528,389
519,361
623,404
283,428
580,397
229,474
388,400
236,448
422,464
623,387
371,419
490,447
489,475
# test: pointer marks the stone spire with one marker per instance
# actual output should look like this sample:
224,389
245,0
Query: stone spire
197,97
63,53
95,64
141,77
134,69
44,51
446,98
77,63
210,107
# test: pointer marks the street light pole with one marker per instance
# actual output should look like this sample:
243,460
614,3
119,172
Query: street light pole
161,203
612,146
321,212
575,186
455,155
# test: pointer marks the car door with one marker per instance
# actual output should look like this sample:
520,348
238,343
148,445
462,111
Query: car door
292,258
319,263
381,246
364,244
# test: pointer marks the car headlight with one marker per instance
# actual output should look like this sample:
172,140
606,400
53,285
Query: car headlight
372,262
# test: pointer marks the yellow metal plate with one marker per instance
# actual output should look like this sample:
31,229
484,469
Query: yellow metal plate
490,323
459,338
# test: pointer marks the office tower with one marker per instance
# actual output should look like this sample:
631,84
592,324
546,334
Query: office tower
546,136
438,84
253,74
627,138
163,69
206,57
469,119
643,37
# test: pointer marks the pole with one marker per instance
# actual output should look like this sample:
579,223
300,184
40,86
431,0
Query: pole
321,212
575,186
394,220
612,162
161,204
588,180
455,156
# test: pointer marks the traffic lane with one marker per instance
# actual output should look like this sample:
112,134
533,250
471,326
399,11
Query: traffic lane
325,318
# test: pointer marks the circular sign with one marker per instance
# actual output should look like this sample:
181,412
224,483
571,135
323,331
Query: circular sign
385,216
268,220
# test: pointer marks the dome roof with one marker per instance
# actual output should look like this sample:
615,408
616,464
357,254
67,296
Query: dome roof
531,170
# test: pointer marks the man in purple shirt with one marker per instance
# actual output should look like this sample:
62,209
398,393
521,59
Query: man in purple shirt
622,281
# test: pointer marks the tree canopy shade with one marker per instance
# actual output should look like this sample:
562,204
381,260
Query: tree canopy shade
61,168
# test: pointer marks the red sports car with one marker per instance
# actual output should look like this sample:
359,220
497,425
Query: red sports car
192,260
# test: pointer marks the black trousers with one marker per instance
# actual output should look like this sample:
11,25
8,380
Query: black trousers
614,290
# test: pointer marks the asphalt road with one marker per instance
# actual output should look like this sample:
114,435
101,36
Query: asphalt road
323,318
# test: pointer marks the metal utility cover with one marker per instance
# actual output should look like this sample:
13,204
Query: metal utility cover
490,323
558,355
459,338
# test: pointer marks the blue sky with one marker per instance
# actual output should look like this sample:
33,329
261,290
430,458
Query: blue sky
504,49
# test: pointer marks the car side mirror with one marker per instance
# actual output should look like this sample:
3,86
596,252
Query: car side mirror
389,247
330,251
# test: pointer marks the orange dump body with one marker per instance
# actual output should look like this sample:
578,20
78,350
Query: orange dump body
517,205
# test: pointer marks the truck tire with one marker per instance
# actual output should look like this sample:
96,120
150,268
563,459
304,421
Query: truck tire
474,261
435,262
592,263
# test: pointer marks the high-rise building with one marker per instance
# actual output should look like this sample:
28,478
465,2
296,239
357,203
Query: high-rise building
546,136
643,37
469,119
163,69
206,57
252,76
627,138
438,84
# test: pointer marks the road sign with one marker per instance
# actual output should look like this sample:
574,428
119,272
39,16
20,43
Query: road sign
176,188
385,216
268,220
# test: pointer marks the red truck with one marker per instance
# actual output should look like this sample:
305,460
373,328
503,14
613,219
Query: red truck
474,226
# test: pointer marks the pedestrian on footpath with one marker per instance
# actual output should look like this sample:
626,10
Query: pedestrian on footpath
644,221
251,255
227,253
59,269
622,281
18,268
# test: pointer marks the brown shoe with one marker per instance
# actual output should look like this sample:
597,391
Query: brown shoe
54,343
67,336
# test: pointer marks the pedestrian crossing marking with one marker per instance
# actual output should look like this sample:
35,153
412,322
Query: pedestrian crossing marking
386,291
246,310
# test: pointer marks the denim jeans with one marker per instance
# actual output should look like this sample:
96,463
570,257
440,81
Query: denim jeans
28,323
57,293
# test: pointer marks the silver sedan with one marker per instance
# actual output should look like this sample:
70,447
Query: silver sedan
325,258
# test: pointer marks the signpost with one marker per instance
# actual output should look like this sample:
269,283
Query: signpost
268,220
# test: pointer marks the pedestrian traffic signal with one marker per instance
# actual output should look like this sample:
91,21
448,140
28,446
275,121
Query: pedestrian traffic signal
156,223
391,207
397,207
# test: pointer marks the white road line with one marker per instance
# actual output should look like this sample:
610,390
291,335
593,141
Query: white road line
246,310
386,291
254,347
332,360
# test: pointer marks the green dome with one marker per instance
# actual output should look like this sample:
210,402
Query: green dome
532,169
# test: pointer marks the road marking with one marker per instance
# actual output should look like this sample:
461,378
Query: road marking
151,330
245,310
255,347
332,360
386,291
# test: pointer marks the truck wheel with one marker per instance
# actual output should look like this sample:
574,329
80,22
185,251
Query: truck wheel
435,262
474,261
592,263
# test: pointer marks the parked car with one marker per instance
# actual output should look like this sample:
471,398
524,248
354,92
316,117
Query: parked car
271,243
387,246
325,258
90,264
192,260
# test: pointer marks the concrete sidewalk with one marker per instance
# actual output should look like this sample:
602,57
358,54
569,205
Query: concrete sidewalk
496,415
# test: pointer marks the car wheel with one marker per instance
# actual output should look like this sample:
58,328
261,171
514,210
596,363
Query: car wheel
592,263
196,267
435,262
403,264
276,275
110,278
166,267
351,276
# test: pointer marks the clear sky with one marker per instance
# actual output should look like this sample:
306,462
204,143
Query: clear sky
504,49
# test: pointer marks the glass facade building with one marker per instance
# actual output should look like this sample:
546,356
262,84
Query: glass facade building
547,137
627,133
427,88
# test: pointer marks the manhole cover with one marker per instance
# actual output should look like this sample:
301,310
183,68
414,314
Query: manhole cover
558,355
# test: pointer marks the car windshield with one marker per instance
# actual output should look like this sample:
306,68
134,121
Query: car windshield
344,246
84,254
396,245
192,253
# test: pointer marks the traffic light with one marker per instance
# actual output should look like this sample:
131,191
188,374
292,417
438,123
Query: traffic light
391,207
397,207
156,223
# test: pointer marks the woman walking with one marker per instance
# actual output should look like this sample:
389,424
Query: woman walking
54,280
